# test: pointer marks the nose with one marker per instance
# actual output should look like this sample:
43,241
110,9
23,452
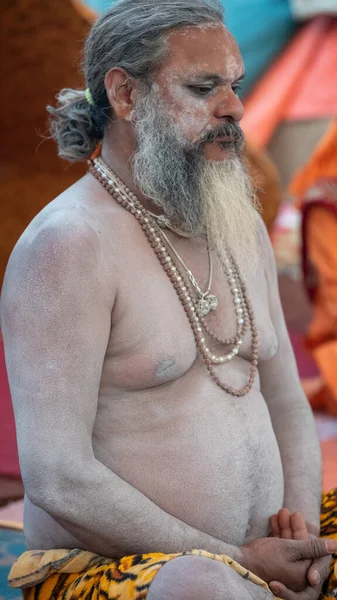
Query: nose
231,106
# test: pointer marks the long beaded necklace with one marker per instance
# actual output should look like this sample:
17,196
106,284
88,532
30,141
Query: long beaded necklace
154,234
206,301
241,310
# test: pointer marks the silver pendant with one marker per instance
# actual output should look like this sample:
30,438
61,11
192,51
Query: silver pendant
206,304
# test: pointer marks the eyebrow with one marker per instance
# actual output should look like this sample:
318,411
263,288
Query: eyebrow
216,79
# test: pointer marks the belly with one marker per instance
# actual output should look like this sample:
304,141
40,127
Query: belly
210,460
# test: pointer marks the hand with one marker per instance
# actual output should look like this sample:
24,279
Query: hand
318,572
293,526
289,526
310,593
285,562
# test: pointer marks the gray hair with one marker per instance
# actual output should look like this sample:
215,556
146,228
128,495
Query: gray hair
131,35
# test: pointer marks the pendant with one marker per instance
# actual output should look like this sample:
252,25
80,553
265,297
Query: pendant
207,303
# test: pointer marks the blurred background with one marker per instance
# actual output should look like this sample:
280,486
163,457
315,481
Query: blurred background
290,96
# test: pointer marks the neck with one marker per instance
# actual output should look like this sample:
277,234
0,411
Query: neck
118,157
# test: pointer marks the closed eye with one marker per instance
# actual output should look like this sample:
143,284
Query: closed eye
236,88
201,90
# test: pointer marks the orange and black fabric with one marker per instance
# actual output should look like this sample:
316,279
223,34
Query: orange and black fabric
76,574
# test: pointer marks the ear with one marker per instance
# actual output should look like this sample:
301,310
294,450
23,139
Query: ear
120,88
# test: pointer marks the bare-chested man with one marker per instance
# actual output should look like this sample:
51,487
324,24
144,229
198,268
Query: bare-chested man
157,402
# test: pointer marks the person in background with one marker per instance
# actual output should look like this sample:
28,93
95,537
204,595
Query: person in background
316,186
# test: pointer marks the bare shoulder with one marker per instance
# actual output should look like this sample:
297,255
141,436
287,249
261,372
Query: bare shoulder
65,246
71,227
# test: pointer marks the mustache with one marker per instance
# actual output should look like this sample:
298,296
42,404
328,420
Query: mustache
231,130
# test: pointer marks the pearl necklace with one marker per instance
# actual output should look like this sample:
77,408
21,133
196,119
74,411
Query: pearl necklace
151,229
207,302
238,298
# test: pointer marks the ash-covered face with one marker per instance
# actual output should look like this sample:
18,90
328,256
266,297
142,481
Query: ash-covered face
199,83
190,154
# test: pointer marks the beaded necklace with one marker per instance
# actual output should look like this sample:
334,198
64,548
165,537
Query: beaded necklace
206,300
244,311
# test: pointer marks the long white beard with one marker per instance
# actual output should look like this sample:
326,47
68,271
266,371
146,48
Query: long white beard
231,212
213,199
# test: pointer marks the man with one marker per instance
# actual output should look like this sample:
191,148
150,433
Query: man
136,309
316,185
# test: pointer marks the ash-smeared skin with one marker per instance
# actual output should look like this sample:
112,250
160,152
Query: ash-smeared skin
184,63
195,452
164,429
120,455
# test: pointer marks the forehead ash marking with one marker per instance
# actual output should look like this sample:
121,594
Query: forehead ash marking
186,31
233,66
221,56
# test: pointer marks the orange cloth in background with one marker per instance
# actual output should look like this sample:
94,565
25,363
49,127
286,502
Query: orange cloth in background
267,179
310,186
301,84
322,334
323,163
88,13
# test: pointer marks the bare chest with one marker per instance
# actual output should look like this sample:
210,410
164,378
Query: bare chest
151,340
164,426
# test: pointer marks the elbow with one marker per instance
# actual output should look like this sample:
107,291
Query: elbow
43,495
42,490
51,487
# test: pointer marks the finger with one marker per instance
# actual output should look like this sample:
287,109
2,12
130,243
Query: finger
319,571
284,521
314,548
298,526
280,590
275,527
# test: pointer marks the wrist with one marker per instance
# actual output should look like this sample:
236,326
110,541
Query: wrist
245,558
234,552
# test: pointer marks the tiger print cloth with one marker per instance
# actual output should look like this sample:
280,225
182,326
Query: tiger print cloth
80,575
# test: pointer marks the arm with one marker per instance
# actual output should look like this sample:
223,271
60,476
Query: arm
291,415
57,302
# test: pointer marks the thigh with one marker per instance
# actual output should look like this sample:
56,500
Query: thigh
201,578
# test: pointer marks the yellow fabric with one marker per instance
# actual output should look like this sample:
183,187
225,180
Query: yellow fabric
125,579
69,574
